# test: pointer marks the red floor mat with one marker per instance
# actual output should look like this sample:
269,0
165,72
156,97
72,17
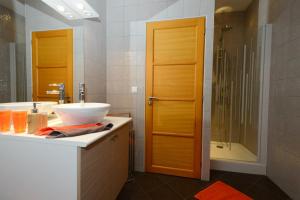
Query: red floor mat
221,191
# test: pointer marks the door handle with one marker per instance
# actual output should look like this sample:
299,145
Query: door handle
52,92
55,84
151,99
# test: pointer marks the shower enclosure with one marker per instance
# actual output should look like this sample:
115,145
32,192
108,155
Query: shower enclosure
235,98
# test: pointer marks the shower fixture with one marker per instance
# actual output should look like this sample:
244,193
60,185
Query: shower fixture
225,28
234,99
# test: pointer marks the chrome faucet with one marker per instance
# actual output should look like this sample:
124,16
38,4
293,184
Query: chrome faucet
82,92
60,92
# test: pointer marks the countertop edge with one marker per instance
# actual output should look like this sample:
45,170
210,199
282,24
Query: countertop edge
82,141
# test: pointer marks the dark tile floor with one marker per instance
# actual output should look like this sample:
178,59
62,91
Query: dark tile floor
147,186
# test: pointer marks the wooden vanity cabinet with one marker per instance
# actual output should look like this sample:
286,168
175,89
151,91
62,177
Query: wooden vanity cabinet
104,166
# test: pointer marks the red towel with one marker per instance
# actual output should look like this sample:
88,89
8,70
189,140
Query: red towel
221,191
48,130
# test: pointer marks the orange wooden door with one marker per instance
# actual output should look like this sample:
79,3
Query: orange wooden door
52,62
174,78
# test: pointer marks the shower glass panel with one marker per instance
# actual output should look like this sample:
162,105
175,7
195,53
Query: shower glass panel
235,87
12,51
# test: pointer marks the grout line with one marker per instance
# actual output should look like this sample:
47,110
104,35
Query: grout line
169,186
147,192
177,193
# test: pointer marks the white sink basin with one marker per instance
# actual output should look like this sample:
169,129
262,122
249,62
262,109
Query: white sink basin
43,106
77,113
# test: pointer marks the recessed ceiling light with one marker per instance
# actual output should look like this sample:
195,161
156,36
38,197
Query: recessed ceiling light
73,9
80,6
61,8
69,15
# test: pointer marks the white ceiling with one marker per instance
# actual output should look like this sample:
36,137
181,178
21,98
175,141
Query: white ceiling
233,5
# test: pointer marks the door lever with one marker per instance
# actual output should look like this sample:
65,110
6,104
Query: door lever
151,99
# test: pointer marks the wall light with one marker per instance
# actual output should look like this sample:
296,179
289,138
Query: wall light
224,9
72,9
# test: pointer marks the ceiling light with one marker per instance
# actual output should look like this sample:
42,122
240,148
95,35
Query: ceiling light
80,6
61,8
224,9
75,9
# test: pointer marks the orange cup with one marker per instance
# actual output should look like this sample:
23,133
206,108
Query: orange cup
20,121
5,119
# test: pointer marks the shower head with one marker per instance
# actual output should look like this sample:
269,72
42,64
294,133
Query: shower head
226,28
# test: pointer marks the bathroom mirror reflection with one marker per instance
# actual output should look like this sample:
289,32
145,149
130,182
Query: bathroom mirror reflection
12,51
40,48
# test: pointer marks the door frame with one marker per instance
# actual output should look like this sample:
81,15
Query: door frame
200,90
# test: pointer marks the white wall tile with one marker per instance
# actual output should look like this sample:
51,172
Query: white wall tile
115,14
131,2
176,10
191,8
141,58
115,29
130,58
130,28
113,3
140,28
131,12
140,43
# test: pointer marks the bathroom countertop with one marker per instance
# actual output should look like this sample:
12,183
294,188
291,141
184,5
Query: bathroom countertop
78,141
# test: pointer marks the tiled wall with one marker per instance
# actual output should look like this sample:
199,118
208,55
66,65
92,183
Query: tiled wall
284,111
12,52
126,41
95,54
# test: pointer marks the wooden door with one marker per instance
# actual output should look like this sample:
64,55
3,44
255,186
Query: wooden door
174,84
52,62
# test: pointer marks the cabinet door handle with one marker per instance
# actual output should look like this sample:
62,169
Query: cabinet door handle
114,137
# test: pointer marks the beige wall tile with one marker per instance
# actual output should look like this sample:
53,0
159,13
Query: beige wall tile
284,137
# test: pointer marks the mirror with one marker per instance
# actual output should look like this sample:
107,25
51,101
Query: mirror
12,51
39,47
